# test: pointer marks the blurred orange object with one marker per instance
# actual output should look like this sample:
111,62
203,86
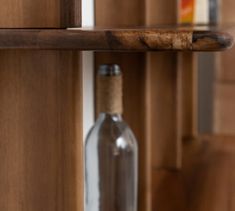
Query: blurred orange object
186,11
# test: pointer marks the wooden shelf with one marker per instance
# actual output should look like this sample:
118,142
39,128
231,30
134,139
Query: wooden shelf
138,39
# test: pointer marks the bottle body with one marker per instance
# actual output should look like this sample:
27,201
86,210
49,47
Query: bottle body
111,166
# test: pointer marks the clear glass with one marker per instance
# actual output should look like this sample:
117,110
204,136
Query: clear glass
111,154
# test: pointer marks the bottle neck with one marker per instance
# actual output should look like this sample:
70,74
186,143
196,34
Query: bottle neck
109,94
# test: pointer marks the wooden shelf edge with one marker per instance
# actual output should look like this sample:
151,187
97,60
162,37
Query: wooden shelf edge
139,39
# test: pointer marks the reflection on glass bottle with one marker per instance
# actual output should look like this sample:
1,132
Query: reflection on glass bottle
110,150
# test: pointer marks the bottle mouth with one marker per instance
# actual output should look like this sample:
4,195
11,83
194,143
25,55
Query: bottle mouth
109,70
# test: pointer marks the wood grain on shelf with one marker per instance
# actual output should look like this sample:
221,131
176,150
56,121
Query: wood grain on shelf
206,180
136,39
41,160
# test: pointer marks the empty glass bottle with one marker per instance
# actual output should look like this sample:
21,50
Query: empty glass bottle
110,150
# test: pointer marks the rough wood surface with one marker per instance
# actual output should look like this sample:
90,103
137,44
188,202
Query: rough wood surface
136,39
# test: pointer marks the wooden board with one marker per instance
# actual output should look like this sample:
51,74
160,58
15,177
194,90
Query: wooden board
224,121
165,125
225,79
225,70
188,73
206,180
163,110
40,131
41,159
39,13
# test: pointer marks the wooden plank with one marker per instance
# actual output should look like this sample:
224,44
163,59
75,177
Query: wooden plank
40,129
162,77
70,13
206,180
163,99
225,71
224,108
187,69
136,39
226,11
41,165
39,13
110,13
225,79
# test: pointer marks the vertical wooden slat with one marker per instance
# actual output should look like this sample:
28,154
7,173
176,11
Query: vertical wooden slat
41,165
187,68
164,131
163,86
224,121
70,13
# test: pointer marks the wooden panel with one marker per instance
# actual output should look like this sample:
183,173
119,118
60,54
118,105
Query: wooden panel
164,92
225,80
110,13
163,99
227,11
224,108
40,131
161,12
39,13
187,69
41,161
205,182
226,70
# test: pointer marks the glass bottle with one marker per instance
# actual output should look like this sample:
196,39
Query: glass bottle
110,150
